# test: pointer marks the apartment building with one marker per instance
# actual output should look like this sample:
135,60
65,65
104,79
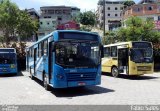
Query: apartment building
112,14
33,14
145,9
51,16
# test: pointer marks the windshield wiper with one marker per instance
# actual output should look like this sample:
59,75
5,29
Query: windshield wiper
78,41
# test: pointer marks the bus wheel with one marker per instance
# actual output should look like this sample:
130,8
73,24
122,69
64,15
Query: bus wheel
114,71
32,77
45,83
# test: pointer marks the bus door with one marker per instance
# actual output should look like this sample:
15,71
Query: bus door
123,60
27,57
50,61
35,58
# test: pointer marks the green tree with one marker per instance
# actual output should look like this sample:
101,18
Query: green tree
76,18
110,37
136,30
14,22
128,3
8,18
26,27
122,34
148,32
88,19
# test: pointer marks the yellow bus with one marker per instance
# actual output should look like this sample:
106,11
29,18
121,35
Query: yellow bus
131,58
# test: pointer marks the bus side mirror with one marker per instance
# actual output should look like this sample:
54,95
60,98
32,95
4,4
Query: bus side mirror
129,53
102,51
53,47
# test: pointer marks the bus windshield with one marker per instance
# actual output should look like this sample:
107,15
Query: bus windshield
7,58
142,55
78,54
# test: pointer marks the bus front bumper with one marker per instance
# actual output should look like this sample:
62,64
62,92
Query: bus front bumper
62,84
8,72
82,83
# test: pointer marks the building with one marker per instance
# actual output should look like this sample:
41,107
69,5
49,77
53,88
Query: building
75,12
145,9
1,33
51,16
33,13
35,16
112,14
69,25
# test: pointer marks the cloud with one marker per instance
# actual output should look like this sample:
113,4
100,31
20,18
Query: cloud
85,4
82,4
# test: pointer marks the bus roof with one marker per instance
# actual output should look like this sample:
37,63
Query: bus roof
57,31
7,50
76,31
123,43
115,44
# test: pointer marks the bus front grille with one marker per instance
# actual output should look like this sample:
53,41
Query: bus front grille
5,67
81,76
144,68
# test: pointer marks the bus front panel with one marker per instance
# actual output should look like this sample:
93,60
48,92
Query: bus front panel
140,68
8,63
74,77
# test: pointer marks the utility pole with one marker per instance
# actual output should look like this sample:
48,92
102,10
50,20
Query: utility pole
104,17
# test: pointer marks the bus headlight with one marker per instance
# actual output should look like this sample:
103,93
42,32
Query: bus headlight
99,74
59,76
13,66
134,68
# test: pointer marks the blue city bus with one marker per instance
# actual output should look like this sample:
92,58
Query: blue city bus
66,58
8,61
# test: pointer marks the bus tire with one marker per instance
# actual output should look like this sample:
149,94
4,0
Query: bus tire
114,71
32,77
45,82
14,74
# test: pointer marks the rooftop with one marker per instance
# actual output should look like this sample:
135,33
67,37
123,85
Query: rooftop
32,10
61,6
100,2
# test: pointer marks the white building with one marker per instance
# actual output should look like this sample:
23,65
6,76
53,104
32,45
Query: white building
112,14
146,10
51,16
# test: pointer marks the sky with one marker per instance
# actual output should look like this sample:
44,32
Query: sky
84,5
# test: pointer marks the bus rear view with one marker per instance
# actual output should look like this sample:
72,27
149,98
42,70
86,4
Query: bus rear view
8,61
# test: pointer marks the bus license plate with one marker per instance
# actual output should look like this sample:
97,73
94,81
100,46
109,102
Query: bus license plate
4,70
81,83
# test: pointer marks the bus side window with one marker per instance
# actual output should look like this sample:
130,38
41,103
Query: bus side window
35,53
45,47
107,52
30,53
114,51
42,49
39,50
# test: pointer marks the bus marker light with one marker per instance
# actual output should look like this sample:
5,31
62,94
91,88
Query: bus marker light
60,76
81,83
4,70
12,66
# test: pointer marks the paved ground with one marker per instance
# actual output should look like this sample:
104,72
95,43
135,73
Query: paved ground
124,90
